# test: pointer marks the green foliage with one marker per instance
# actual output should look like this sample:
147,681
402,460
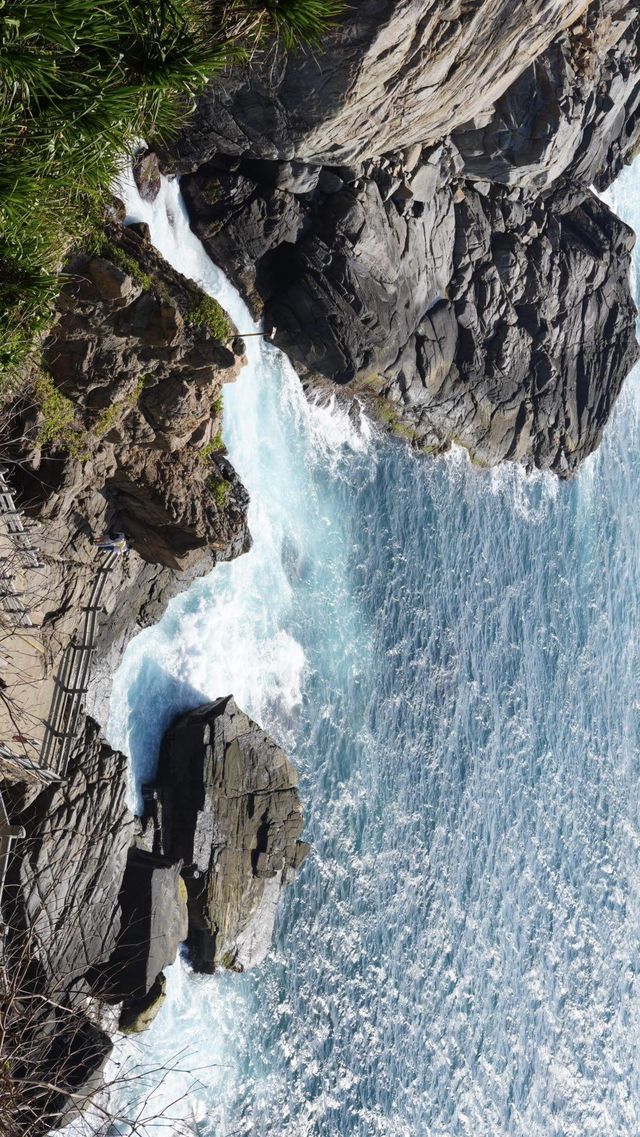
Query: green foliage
403,430
111,415
298,22
220,489
209,314
385,412
143,382
215,446
127,264
59,427
107,419
80,82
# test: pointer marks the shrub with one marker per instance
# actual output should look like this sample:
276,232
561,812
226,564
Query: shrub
220,489
296,22
107,419
79,83
209,314
59,427
215,446
127,264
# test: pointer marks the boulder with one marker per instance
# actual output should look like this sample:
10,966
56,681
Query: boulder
137,1016
146,172
228,807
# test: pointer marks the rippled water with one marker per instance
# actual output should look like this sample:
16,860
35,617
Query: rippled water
451,659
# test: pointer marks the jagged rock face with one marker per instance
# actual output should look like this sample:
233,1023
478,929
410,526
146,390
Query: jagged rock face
145,382
229,808
440,260
148,382
153,917
575,110
72,862
396,73
94,913
481,315
345,273
527,359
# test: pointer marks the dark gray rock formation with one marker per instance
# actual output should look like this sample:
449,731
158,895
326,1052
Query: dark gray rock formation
61,914
228,807
458,310
398,72
455,273
575,111
153,924
92,913
526,357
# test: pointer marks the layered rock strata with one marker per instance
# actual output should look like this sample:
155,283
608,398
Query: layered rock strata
456,273
396,73
228,807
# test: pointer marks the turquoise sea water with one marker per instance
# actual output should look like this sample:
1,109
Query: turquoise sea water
451,659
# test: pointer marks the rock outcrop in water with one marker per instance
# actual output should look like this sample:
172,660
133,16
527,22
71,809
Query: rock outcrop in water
411,210
228,807
97,903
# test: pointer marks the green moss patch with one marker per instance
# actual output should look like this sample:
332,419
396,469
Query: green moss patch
220,488
129,265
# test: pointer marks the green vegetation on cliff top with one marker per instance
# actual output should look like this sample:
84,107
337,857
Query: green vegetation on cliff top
209,314
80,82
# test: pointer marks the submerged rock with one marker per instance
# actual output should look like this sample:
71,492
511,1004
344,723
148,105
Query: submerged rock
228,807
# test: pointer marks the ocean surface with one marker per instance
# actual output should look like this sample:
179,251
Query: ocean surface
451,659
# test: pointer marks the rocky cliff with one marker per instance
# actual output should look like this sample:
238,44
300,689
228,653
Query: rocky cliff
97,903
411,210
119,430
